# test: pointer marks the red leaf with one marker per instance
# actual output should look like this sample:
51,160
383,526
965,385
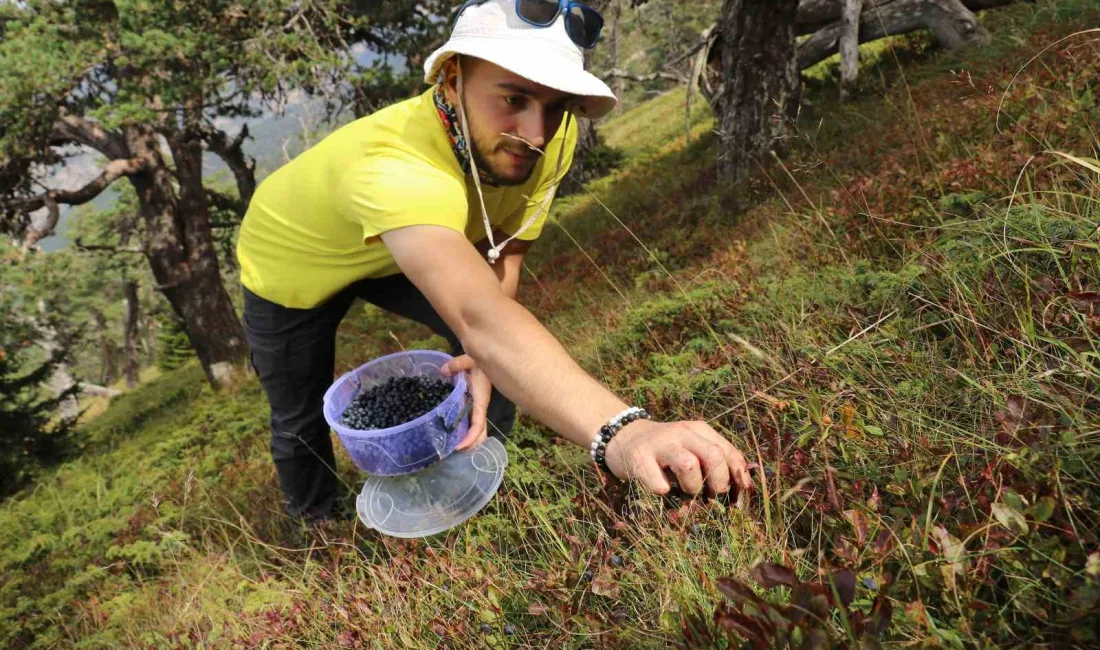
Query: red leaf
1086,298
859,525
881,613
536,609
769,574
884,543
846,551
875,502
749,628
809,598
605,584
1012,414
738,592
816,639
917,612
845,583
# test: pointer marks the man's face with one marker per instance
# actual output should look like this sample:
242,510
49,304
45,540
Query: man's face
499,102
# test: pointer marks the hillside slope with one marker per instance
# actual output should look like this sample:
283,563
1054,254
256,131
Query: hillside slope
900,324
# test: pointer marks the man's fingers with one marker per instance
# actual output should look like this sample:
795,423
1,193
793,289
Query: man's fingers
458,364
479,393
477,430
643,466
473,436
712,456
685,465
738,468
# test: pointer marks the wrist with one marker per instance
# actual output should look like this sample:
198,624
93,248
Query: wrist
602,442
615,454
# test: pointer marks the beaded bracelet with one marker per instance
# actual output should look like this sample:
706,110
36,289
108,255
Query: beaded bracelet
598,449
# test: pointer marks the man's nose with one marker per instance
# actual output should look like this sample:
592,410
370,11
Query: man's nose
532,125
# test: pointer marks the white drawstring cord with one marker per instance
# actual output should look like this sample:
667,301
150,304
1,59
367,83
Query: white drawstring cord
494,249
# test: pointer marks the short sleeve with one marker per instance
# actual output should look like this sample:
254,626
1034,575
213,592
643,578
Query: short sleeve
386,193
547,183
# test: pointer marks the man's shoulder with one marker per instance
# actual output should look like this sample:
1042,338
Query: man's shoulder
403,138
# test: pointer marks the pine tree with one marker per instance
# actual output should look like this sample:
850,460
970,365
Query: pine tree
31,436
173,348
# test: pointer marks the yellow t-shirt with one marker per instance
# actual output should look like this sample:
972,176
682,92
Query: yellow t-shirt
305,235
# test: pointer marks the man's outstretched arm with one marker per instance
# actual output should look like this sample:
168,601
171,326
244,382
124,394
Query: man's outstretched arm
528,365
507,269
510,265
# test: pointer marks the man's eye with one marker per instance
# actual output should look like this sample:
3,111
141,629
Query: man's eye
514,100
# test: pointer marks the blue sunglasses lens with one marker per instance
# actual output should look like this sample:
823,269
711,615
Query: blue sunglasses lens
538,12
583,25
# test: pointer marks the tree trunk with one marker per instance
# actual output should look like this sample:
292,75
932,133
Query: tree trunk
148,337
107,376
849,46
181,252
950,22
760,87
619,87
61,381
130,346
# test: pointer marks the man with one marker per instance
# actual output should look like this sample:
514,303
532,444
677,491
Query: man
426,209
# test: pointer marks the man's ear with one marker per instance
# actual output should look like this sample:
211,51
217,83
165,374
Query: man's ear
450,79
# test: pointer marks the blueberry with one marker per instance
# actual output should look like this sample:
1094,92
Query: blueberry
509,629
485,628
617,561
395,401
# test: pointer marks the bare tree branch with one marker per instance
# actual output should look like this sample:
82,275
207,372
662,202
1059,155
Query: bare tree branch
706,39
98,391
111,172
950,20
814,15
242,165
660,74
80,245
70,128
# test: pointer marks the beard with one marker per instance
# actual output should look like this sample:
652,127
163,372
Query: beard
495,175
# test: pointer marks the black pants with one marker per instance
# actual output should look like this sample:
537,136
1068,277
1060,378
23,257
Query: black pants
293,352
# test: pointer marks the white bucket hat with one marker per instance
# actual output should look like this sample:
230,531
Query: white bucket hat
546,55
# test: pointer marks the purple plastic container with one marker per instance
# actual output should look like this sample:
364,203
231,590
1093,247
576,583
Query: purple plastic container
407,447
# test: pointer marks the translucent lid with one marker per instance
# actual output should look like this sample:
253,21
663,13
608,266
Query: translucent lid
437,497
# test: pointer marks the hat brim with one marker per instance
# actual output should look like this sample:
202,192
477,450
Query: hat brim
594,98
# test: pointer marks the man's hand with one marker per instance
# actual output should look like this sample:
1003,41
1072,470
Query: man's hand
692,451
480,391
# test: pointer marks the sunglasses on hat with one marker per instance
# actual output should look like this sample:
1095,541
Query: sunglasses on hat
582,23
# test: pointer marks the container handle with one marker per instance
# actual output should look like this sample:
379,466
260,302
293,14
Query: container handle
462,413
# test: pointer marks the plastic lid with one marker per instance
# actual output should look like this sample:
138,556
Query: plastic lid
437,497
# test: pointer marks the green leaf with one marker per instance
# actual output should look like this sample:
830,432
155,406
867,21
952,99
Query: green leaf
1043,509
872,430
1010,518
1014,500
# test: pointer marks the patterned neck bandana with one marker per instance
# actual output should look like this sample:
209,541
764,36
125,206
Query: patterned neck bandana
449,117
